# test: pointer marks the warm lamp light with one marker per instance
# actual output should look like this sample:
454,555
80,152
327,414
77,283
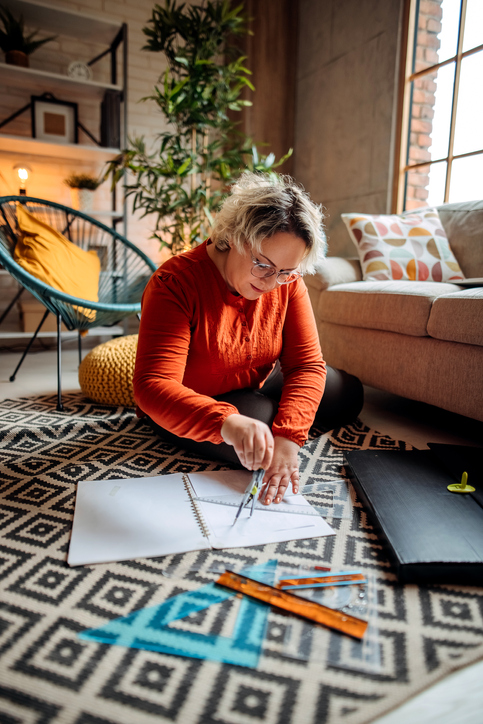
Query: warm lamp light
23,173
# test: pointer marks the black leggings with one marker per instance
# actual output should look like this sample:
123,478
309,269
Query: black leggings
342,402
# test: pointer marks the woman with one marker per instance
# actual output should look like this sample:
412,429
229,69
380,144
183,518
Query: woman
228,362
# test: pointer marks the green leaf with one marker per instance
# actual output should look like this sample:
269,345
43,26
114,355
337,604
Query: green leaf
180,182
269,160
184,166
209,215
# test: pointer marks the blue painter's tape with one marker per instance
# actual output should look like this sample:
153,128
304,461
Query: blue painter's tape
320,574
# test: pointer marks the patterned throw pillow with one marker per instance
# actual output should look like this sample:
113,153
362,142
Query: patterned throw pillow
413,246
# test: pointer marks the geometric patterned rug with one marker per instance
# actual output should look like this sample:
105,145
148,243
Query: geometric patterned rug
49,674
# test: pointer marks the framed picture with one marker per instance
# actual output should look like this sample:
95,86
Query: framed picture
54,120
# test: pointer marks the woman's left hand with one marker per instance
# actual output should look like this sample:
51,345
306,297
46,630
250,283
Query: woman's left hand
283,469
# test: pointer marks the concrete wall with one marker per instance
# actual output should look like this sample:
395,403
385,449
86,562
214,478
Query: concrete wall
271,50
346,93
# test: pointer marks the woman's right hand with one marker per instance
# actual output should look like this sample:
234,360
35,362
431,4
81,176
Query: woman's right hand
252,440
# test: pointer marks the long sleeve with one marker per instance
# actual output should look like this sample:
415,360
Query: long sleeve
303,369
168,317
198,340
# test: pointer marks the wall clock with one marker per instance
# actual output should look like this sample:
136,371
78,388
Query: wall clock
79,70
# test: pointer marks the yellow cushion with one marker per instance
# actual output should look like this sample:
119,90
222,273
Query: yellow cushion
106,373
49,256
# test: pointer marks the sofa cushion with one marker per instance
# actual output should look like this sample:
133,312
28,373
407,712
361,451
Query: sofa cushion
463,223
402,307
458,317
334,270
446,374
412,246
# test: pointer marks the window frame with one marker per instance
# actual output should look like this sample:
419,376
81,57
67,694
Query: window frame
403,122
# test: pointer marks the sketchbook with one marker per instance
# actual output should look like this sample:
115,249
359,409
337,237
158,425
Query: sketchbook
116,520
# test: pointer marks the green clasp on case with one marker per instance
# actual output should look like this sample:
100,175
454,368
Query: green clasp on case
462,487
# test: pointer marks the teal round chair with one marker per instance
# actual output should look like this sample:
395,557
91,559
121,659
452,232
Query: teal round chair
124,271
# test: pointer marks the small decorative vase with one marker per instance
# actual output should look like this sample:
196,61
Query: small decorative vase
17,57
86,200
83,200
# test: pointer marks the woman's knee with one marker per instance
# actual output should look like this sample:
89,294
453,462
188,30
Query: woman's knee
342,400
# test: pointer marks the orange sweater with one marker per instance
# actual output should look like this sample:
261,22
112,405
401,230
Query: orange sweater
197,339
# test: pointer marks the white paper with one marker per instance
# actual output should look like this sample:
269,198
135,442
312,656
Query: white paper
262,527
116,520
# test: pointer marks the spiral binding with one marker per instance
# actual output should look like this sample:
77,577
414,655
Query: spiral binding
196,511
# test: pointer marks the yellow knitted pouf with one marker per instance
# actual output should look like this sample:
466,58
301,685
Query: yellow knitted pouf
105,374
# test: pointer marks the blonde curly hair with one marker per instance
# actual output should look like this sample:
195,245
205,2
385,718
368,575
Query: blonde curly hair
263,204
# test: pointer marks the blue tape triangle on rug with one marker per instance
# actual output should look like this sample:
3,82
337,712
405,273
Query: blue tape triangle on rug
149,628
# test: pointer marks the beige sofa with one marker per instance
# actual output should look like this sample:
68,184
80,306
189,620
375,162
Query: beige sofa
421,340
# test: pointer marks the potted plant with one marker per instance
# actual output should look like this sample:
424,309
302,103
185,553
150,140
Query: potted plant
82,187
182,180
16,45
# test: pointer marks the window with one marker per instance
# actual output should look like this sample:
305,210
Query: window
441,109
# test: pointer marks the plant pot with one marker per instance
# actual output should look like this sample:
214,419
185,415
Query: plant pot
17,57
83,200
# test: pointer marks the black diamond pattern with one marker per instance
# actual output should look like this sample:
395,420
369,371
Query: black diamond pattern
49,674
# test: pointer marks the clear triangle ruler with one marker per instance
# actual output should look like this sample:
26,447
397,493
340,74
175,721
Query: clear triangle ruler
332,495
328,500
234,501
322,508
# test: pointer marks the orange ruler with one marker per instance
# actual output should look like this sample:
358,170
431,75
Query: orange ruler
337,620
314,580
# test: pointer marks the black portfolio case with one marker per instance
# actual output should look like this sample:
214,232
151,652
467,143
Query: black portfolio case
433,535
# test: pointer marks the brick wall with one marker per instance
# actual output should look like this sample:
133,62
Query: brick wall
423,101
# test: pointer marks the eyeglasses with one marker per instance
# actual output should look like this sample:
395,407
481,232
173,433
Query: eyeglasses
264,271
